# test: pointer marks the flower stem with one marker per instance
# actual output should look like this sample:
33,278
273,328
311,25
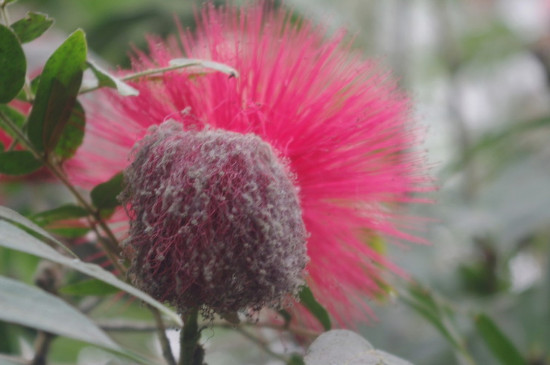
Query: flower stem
191,353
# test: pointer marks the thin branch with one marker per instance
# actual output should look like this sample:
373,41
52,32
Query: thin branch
262,344
164,342
296,330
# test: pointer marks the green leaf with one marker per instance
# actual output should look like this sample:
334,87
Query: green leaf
68,211
18,163
16,218
440,315
106,79
14,116
89,287
32,26
57,91
104,196
17,239
503,349
32,307
204,65
308,300
70,232
72,135
13,65
295,360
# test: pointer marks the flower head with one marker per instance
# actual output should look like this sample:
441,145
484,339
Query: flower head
339,123
215,220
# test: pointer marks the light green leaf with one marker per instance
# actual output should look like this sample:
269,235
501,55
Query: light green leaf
14,217
57,91
32,26
204,64
18,163
32,307
106,79
499,344
13,65
15,238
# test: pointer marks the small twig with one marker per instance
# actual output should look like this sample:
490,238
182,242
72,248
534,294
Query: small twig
296,330
42,347
164,343
264,346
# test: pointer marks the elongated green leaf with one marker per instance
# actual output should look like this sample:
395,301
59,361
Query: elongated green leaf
18,163
29,306
57,91
89,287
73,134
32,26
204,64
308,300
15,238
104,196
69,232
13,65
439,314
14,217
67,211
503,349
106,79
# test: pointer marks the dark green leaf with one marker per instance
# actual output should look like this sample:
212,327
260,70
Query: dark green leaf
57,92
296,360
73,134
89,287
13,65
31,26
308,300
69,232
68,211
29,306
18,163
286,316
13,115
106,79
104,196
17,239
503,349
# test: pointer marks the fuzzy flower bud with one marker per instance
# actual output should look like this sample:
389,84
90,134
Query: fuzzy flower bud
215,220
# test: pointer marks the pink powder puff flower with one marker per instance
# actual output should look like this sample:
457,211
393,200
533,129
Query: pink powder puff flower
342,125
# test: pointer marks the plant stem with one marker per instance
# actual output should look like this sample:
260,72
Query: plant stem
191,352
